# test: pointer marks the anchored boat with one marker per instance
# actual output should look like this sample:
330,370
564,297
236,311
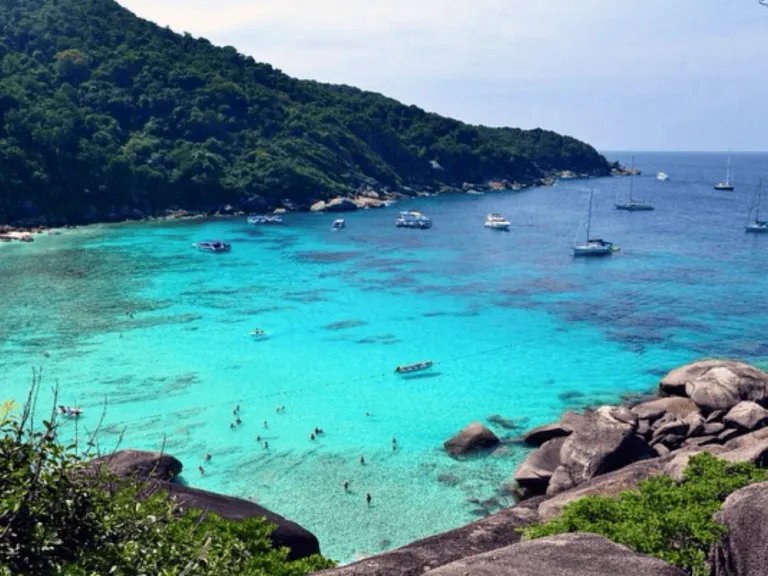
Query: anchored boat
417,367
265,219
633,205
496,221
338,224
593,246
726,186
758,225
413,219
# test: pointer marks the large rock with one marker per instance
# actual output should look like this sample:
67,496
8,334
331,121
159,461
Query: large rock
743,550
300,541
569,422
747,439
317,207
717,384
610,484
605,444
746,416
491,533
473,437
340,205
679,407
534,473
563,555
140,464
755,453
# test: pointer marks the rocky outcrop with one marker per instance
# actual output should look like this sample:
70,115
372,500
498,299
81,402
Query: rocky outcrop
563,555
317,207
743,550
605,443
473,437
300,542
340,205
569,422
161,468
140,464
655,409
717,384
491,533
535,472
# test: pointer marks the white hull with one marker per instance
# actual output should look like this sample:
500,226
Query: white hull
498,225
588,250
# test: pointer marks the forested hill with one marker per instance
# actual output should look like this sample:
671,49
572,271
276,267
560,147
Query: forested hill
101,110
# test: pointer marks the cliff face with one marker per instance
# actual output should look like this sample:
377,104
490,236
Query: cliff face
101,111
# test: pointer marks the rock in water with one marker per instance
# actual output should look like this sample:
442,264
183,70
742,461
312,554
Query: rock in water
563,555
746,416
141,464
473,437
742,551
717,384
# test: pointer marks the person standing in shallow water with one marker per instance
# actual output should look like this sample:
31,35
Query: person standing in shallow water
368,498
362,460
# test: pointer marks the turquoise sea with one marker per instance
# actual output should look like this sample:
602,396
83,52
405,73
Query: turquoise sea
134,316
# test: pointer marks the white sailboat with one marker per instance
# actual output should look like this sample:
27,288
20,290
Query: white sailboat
633,205
726,186
593,246
758,225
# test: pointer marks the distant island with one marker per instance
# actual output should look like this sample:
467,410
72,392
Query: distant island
105,116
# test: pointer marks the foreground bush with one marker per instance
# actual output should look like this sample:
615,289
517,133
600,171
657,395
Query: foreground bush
664,518
57,516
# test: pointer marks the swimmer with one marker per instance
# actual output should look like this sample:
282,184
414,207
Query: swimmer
258,437
368,414
202,470
231,425
368,499
47,354
265,425
207,457
312,437
266,445
238,421
362,460
345,484
236,409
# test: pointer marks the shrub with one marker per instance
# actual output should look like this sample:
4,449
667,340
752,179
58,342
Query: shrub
663,518
60,516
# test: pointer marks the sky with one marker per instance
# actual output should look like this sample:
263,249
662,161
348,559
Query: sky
619,74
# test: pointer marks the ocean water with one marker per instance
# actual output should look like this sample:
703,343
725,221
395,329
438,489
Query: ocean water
132,317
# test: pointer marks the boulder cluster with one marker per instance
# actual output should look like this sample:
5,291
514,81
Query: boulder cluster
715,406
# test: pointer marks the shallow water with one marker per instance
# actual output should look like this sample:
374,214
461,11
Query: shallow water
133,315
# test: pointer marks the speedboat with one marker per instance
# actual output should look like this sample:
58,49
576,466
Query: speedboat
595,247
265,219
417,367
213,246
338,224
496,221
413,219
662,176
71,411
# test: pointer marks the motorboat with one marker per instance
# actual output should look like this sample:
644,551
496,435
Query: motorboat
662,176
417,367
475,192
265,219
258,332
213,246
338,224
593,246
726,186
70,411
413,219
496,221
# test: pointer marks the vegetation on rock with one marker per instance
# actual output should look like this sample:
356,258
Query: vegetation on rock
57,516
103,114
664,518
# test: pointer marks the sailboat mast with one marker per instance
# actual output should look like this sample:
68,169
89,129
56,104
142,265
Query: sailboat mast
728,172
589,215
759,194
631,178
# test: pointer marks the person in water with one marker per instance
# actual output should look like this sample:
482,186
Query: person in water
362,460
207,457
266,445
345,484
202,470
312,437
368,498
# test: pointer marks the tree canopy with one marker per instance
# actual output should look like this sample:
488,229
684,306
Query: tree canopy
101,110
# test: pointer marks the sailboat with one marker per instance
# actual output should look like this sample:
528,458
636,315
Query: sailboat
726,186
593,246
633,205
758,225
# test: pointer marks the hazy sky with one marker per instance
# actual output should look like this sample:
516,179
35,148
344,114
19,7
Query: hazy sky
621,74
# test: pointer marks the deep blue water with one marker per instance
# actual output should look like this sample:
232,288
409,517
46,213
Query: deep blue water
518,328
